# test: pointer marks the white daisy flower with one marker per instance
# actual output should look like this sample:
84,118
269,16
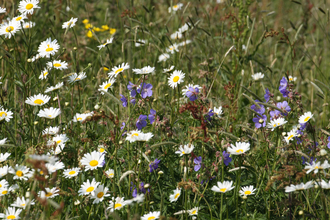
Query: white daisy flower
300,186
106,85
11,213
81,117
257,76
175,7
176,35
145,136
22,203
139,198
115,70
60,139
69,173
324,184
110,173
175,196
240,148
5,190
75,77
176,78
169,70
173,48
88,187
292,79
3,141
144,70
4,156
136,135
4,184
276,123
38,100
109,41
193,211
20,18
51,130
151,215
4,171
27,6
290,135
28,24
140,42
101,148
5,115
50,193
163,57
184,28
58,149
99,194
53,88
69,24
0,82
305,117
223,187
47,48
10,28
49,113
21,172
43,157
2,10
44,74
92,160
247,190
317,166
186,88
58,64
52,168
217,111
117,204
184,43
185,149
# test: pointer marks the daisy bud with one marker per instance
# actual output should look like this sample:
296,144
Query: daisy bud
261,121
27,194
244,197
316,186
120,142
149,151
54,99
46,177
278,98
146,186
146,153
155,100
323,152
283,133
238,139
166,95
29,60
139,161
89,64
182,163
151,202
66,103
77,202
75,48
96,106
160,172
242,72
301,212
35,122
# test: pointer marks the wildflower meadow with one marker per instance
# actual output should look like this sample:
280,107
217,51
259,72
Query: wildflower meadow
136,109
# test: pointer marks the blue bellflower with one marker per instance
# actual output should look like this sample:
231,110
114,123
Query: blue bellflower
260,121
282,88
152,116
141,122
145,91
154,165
226,158
192,93
198,163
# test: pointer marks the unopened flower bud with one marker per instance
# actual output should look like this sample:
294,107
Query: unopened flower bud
323,152
120,142
244,197
316,186
301,212
160,172
96,106
27,194
278,98
29,60
55,98
261,121
75,48
35,122
152,202
66,103
283,133
146,186
77,202
182,163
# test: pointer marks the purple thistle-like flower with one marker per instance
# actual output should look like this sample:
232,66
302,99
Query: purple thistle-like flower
154,165
267,95
260,110
192,93
226,158
260,121
146,90
198,163
284,106
282,88
141,122
124,100
152,116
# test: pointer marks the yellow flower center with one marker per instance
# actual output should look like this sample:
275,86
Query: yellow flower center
176,78
290,79
119,70
90,189
50,116
58,142
152,217
183,152
18,18
19,173
49,48
3,113
291,136
38,101
93,163
77,79
194,212
23,205
101,150
223,190
274,125
11,217
41,172
49,194
176,195
135,134
316,167
100,195
239,151
57,64
72,172
175,6
118,205
247,192
306,119
0,185
27,26
46,73
9,29
29,6
111,174
79,119
107,86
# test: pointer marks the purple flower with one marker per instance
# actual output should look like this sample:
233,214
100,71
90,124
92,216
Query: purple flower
226,158
260,110
274,114
192,93
282,88
133,101
154,165
141,122
284,106
260,121
311,161
132,87
328,145
209,115
103,163
146,90
124,100
267,95
152,116
141,189
198,162
122,127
